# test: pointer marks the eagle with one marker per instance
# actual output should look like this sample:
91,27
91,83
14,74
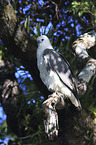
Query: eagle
55,71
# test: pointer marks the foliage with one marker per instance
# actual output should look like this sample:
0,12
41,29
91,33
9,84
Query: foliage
83,8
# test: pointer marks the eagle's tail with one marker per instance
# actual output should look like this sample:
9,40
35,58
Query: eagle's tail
75,102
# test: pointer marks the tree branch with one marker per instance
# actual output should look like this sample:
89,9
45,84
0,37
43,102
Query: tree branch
55,101
82,45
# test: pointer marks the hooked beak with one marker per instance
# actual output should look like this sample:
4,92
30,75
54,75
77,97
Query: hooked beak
38,41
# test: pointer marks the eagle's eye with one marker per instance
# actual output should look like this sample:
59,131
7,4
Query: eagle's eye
42,39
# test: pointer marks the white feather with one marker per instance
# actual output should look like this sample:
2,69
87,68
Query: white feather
50,78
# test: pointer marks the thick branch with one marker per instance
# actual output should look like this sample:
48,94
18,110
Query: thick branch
55,101
82,45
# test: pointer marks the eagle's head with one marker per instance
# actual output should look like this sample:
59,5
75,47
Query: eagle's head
43,41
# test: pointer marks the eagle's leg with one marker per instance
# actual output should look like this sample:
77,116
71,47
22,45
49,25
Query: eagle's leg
56,101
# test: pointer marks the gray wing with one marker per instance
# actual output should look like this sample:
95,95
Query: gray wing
54,61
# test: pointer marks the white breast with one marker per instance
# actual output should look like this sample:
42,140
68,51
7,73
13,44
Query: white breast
50,78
